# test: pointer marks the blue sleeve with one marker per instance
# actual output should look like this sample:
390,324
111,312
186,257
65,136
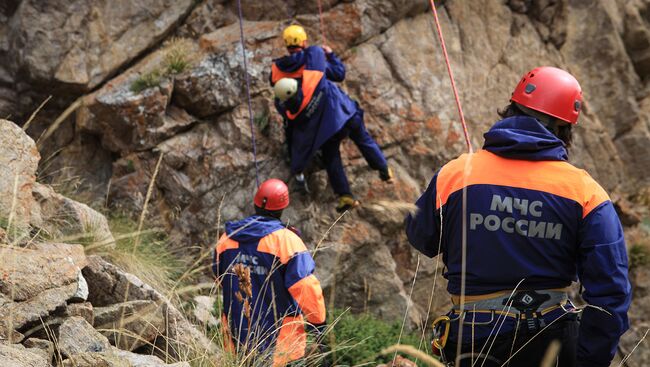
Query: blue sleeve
603,271
423,229
315,59
300,266
335,68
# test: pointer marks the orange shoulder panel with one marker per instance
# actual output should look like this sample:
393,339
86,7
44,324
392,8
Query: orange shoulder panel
225,243
310,80
277,74
309,295
594,194
282,244
554,177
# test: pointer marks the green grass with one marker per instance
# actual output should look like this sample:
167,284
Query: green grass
639,256
146,81
366,335
146,254
176,59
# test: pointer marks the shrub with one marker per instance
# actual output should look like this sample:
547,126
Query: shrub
360,338
639,256
146,81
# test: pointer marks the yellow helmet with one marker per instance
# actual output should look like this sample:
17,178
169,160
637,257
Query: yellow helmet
294,35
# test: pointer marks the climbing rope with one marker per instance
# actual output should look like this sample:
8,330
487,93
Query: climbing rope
451,76
322,23
248,91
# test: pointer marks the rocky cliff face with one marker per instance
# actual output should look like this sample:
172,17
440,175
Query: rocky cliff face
138,102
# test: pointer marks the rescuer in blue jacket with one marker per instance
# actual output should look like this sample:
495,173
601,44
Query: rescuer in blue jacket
319,115
269,290
532,224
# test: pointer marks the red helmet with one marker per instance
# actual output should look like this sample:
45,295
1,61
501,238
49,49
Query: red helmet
551,91
273,194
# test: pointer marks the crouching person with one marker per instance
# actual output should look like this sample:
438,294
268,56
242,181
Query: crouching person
269,290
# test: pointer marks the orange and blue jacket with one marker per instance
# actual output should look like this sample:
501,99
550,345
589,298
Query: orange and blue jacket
531,216
320,109
284,289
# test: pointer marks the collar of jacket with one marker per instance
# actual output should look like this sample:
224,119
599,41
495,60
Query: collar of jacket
252,228
292,62
525,138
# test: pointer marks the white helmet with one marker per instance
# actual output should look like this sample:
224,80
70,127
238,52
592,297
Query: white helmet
285,88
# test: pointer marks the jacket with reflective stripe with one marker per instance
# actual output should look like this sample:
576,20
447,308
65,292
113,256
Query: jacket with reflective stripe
530,216
284,288
320,109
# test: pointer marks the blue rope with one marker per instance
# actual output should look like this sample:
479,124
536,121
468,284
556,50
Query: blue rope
248,91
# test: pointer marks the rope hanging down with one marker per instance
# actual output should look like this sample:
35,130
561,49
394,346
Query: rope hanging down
322,23
248,91
451,77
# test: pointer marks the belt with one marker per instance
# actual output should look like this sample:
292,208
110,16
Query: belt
526,305
521,301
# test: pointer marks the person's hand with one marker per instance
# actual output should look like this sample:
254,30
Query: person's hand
327,49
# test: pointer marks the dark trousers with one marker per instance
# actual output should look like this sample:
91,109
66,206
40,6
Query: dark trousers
356,130
564,330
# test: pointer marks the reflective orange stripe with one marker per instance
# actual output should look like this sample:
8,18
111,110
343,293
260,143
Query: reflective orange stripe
277,74
228,345
226,243
554,177
309,295
310,80
282,244
292,341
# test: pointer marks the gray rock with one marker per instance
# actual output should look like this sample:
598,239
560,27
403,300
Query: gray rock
77,336
18,356
43,347
65,218
84,310
139,360
131,324
108,285
18,162
43,282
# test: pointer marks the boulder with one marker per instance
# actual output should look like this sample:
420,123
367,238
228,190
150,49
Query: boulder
130,325
203,311
37,281
18,163
78,44
18,356
43,347
77,336
96,360
139,360
118,358
62,217
84,310
108,285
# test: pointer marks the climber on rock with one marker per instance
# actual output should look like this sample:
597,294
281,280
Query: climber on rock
532,224
319,115
266,274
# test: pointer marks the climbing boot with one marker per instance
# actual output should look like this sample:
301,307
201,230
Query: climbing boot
386,174
300,184
347,202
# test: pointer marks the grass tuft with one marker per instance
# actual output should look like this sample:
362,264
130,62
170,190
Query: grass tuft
147,80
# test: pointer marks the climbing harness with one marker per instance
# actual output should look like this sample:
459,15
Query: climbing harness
451,77
248,92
